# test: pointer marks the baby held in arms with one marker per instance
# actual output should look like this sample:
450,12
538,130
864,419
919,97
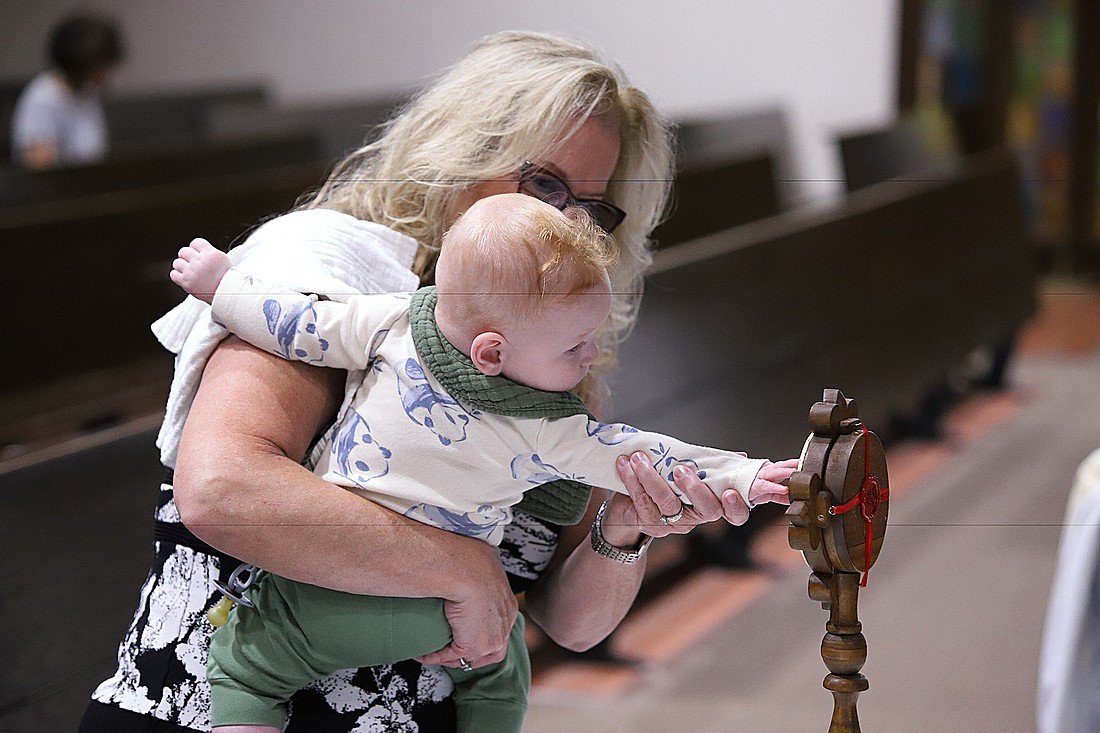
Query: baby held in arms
464,410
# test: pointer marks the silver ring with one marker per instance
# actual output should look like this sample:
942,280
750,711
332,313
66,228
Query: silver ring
464,665
673,518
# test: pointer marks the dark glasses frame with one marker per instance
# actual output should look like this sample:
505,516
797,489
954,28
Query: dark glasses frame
540,183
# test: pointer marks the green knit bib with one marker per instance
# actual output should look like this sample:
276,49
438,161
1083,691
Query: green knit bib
562,501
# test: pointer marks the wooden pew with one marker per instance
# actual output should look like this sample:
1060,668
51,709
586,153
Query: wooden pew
38,193
10,87
704,141
717,196
148,121
729,171
339,127
881,297
906,151
88,274
163,119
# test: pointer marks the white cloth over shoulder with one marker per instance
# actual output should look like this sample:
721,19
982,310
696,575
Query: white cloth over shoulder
315,251
1069,664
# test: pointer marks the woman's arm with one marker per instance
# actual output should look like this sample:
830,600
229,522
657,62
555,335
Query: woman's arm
239,487
583,596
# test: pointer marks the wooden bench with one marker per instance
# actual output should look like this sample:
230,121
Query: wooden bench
716,196
162,119
881,297
907,151
704,141
149,121
339,127
87,275
38,193
729,172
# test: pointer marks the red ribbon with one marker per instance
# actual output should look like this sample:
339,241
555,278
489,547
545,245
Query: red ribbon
868,497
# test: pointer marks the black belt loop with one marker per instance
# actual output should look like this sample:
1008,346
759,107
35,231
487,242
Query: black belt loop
177,534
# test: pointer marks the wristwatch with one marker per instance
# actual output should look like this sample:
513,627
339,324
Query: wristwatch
619,554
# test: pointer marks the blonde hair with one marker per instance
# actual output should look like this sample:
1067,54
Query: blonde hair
514,96
511,256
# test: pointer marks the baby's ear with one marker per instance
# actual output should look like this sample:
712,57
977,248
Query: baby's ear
487,352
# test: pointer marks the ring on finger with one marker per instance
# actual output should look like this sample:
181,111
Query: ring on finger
673,518
464,665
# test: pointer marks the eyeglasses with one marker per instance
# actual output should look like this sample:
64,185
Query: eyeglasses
545,186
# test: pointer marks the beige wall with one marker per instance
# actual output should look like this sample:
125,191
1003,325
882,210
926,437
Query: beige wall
830,64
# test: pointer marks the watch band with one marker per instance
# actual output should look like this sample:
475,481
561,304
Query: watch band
619,554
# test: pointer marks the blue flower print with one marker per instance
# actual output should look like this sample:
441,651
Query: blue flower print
436,411
295,330
359,456
530,468
481,523
610,433
664,462
374,364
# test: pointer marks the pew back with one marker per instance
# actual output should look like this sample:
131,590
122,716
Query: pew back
717,196
57,190
86,275
881,297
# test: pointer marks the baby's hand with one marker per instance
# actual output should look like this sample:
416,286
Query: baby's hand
199,269
770,484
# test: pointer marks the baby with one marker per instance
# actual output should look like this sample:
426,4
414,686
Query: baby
464,406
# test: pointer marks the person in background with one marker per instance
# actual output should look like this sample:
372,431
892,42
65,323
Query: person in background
58,119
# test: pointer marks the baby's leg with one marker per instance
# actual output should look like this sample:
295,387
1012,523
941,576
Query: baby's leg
298,633
362,631
493,699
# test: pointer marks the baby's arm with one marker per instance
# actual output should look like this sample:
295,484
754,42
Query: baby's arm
287,323
299,327
583,449
199,269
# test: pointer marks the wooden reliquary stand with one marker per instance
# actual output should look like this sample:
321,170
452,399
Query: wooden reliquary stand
839,502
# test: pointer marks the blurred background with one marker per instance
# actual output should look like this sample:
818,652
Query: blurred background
897,198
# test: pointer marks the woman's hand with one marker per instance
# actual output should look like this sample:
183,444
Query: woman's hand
650,498
481,620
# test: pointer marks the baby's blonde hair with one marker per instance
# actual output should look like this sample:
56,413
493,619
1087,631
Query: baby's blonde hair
514,96
510,257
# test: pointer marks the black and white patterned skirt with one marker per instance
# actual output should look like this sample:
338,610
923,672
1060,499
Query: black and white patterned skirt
162,659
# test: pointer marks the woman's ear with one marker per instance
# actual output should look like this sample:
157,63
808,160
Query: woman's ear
487,352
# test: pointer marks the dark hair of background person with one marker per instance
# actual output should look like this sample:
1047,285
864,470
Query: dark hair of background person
83,43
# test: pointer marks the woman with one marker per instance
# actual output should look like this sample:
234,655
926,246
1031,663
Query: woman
520,111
